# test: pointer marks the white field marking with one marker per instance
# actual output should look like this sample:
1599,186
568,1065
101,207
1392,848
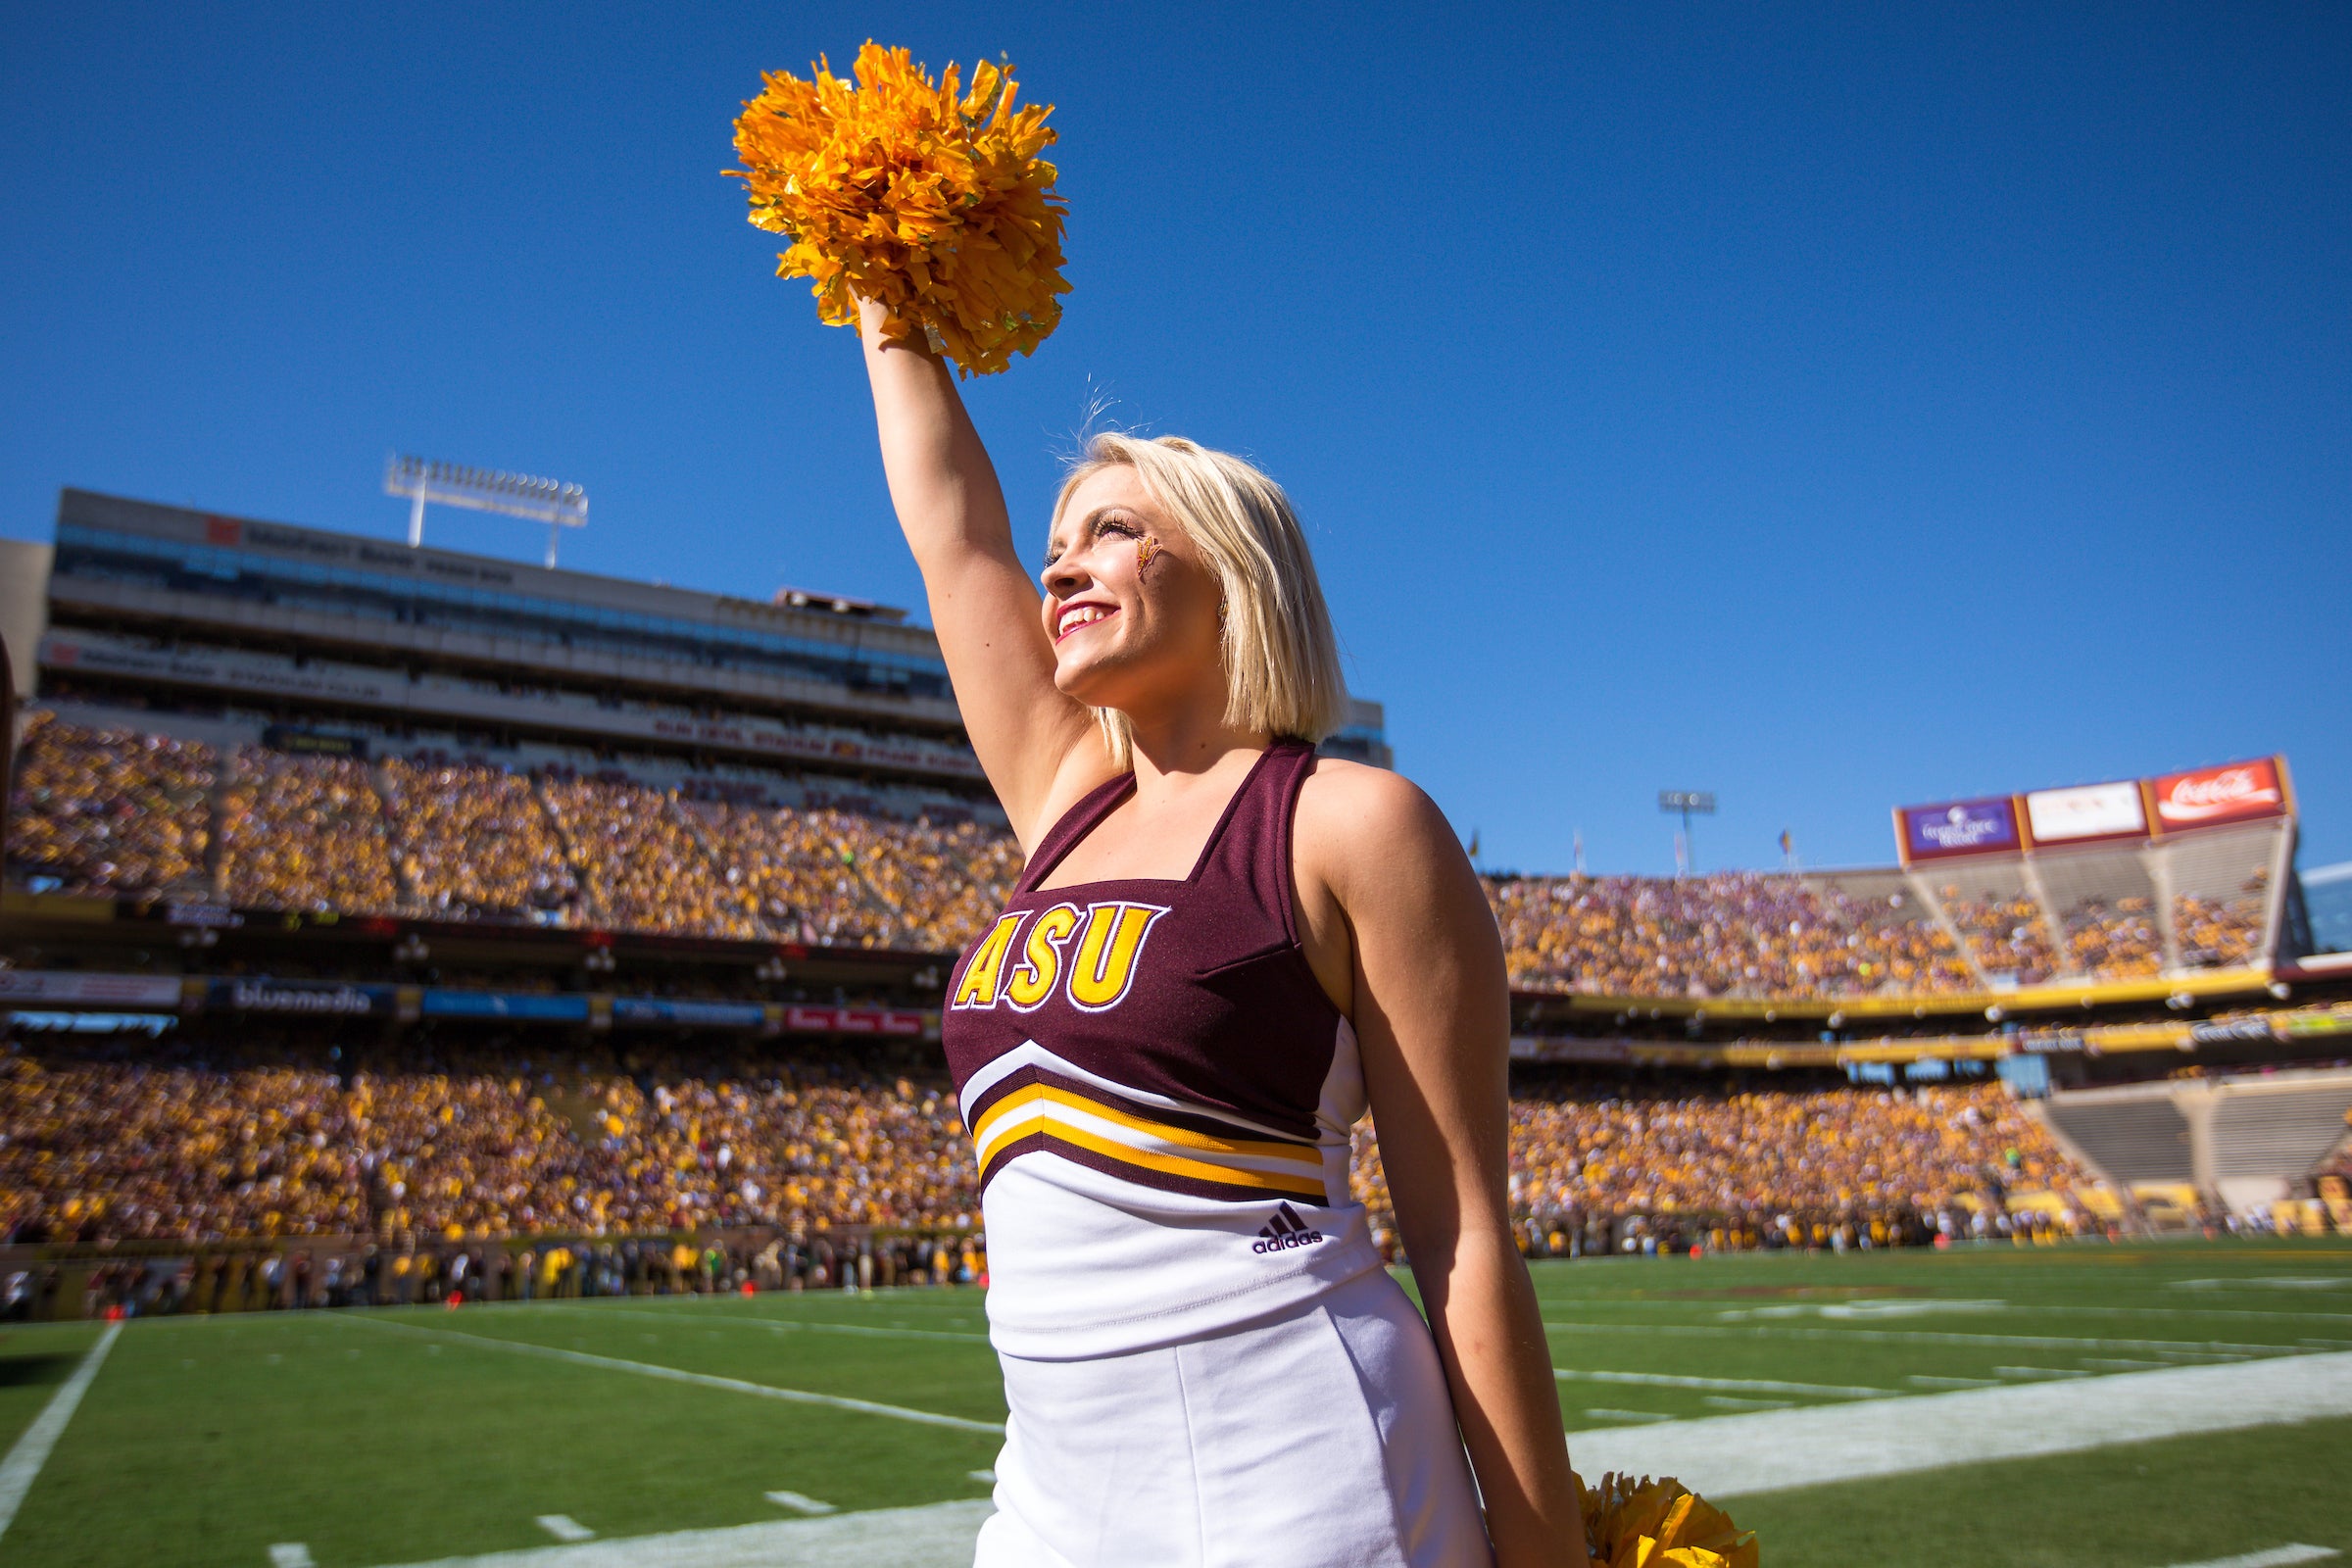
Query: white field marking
2115,1364
1921,1380
1607,1414
23,1466
2276,1314
2039,1342
765,1390
1738,1454
1671,1380
1866,1310
936,1536
2275,1557
802,1501
291,1555
2040,1372
1724,1401
785,1326
984,1477
2268,1282
564,1526
2259,1315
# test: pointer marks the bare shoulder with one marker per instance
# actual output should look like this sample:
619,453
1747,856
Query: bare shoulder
1353,818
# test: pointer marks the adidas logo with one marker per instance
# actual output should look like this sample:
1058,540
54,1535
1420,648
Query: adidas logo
1285,1231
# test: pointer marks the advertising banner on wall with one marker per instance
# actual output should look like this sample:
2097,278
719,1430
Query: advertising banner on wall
315,998
2087,811
2207,797
1958,827
689,1015
76,988
524,1006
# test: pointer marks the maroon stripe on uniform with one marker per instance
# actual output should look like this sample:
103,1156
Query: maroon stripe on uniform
1142,1176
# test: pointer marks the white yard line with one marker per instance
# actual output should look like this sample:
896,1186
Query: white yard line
1787,1330
1724,1456
1671,1380
801,1501
1921,1380
2275,1557
23,1466
765,1390
938,1536
780,1325
291,1555
1607,1414
565,1528
1725,1401
1731,1455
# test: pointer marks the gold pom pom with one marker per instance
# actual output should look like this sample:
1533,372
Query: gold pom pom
930,200
1644,1523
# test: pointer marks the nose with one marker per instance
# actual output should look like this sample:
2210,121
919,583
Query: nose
1062,578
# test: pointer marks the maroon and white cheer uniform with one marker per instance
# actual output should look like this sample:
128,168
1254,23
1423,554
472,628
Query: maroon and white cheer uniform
1204,1361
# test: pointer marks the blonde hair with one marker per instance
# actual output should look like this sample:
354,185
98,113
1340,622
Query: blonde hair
1282,662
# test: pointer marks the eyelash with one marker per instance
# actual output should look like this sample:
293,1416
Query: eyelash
1107,526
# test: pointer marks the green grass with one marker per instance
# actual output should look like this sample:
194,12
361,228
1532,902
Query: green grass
403,1436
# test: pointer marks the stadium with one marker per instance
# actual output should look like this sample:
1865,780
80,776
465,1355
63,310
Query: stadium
452,1000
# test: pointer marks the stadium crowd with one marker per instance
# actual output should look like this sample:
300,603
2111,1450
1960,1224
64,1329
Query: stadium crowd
252,1135
303,833
474,840
1731,934
113,810
107,810
265,1132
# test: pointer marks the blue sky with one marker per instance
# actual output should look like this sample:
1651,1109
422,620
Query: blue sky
1829,406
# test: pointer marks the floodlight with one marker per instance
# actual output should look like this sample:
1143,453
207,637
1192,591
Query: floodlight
1689,803
516,495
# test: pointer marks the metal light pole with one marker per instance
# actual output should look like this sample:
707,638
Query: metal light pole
517,495
1690,804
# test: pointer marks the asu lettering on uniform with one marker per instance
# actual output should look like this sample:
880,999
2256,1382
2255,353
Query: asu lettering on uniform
1094,972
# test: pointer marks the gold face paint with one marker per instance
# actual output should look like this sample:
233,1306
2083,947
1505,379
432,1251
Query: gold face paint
1145,549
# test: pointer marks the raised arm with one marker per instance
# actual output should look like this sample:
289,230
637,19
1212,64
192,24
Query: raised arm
1432,1015
1037,746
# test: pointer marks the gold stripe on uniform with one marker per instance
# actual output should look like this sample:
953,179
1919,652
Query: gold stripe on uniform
1050,1107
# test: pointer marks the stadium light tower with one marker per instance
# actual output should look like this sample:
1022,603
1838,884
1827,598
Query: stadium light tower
1689,802
517,495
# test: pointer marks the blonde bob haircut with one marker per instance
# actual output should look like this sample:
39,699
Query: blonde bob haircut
1282,662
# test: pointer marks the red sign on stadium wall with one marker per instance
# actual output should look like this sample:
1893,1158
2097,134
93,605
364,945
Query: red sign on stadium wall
2236,792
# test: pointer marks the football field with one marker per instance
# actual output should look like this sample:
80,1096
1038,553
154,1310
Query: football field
2095,1407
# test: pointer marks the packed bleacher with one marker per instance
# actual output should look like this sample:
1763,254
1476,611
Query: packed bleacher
1733,934
101,811
256,1132
253,1136
106,810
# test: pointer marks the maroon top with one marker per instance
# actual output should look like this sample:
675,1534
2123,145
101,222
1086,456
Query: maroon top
1196,992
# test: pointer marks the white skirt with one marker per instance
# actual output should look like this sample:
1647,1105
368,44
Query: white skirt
1321,1438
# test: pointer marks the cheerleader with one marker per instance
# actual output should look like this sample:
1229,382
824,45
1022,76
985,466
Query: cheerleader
1222,951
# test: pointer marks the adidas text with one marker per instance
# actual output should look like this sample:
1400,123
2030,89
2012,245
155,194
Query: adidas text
1285,1231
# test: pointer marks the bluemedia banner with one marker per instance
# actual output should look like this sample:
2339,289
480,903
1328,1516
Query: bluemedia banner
312,998
571,1008
1959,827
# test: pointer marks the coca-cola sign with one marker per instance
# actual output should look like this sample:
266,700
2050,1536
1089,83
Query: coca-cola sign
2236,792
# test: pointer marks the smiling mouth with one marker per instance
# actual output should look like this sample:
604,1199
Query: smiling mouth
1077,616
